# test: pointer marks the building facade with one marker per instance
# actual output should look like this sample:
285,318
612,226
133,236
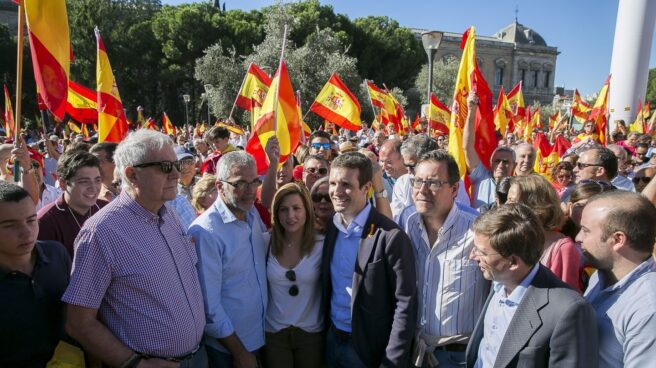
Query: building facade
515,53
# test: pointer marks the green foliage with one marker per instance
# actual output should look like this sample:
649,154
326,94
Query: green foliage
651,87
444,80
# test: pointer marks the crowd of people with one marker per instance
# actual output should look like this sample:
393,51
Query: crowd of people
363,249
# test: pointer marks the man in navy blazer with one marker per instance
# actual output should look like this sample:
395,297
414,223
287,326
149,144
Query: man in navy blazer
531,318
368,276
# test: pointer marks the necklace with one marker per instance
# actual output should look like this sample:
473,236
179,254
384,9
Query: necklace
75,218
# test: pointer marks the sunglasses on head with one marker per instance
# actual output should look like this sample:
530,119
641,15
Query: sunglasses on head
318,197
165,166
319,146
314,170
291,276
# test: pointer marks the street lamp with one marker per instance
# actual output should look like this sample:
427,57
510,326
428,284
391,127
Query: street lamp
431,41
208,89
186,99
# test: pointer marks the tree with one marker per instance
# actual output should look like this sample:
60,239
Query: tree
651,87
444,80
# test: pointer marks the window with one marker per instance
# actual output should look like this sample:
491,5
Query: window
547,78
522,75
498,76
534,78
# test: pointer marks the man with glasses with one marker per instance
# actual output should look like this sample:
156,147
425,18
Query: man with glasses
451,288
315,167
134,298
320,144
232,251
79,174
531,318
599,163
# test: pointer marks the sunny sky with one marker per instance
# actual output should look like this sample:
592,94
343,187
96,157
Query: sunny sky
583,30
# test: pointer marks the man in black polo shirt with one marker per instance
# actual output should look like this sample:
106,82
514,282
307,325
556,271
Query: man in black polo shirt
33,277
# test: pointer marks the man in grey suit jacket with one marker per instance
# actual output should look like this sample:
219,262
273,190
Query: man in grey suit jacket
368,276
531,318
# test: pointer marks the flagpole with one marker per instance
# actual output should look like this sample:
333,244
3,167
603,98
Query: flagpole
19,82
236,98
430,114
298,102
275,100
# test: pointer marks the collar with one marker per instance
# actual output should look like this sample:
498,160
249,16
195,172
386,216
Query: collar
357,225
450,220
126,200
518,293
41,258
226,214
644,267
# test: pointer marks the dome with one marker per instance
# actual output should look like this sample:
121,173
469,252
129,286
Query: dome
518,33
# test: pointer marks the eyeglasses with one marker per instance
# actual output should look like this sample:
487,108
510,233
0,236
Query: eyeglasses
318,197
480,253
319,146
581,165
291,276
642,179
433,184
315,170
165,166
242,185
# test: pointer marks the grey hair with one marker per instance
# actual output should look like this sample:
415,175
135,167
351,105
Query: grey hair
230,160
418,145
136,148
620,149
504,149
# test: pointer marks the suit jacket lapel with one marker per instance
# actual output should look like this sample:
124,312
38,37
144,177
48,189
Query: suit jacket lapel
523,325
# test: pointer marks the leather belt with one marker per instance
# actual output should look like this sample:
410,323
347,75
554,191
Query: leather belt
452,347
181,358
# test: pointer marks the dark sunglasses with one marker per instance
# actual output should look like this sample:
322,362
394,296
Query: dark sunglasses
314,170
642,179
318,197
582,166
318,146
291,276
165,166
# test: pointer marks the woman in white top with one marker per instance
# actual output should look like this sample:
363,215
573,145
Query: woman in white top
294,323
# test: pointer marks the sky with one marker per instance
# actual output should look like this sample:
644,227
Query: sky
582,30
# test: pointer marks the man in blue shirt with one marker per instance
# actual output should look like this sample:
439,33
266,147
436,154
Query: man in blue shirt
532,318
368,275
617,235
231,265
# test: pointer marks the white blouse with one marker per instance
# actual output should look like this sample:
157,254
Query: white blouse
302,310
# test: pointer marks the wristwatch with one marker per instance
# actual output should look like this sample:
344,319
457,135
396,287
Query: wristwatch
133,361
381,194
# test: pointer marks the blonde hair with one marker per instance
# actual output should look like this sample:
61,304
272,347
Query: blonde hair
537,193
278,232
201,189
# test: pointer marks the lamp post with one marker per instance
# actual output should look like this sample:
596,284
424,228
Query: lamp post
208,88
431,41
186,98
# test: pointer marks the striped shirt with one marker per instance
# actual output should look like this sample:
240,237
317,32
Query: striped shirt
451,288
138,270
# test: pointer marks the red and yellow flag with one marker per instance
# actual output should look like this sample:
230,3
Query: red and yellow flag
50,46
503,114
10,127
639,124
112,123
167,126
580,109
376,94
543,150
307,131
278,116
254,89
141,120
469,79
81,103
599,113
337,104
151,124
85,131
516,100
437,116
74,127
231,128
554,120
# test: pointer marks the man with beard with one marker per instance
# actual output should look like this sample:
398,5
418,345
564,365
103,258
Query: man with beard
617,237
231,252
502,161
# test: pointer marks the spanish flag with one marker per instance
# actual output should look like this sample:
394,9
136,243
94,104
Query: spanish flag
50,46
307,131
503,114
516,100
81,103
376,94
469,79
580,109
438,116
254,88
639,124
278,116
10,127
112,123
231,128
543,152
85,131
337,104
151,124
600,111
554,120
141,120
167,125
74,127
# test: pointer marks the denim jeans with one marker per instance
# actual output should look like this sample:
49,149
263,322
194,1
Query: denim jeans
340,353
219,359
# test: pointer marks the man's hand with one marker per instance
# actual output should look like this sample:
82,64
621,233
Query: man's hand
245,360
272,150
157,363
21,154
472,101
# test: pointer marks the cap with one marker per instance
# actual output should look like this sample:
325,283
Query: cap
182,153
54,137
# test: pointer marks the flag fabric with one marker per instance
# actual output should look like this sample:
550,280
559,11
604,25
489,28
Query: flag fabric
437,116
141,120
167,126
516,100
415,123
397,115
580,109
231,128
307,132
554,120
376,94
254,89
503,113
542,152
469,79
112,123
337,104
10,126
50,46
81,104
278,116
651,124
74,128
639,124
599,113
85,131
151,124
532,123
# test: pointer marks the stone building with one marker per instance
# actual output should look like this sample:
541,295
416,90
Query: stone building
9,15
515,53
